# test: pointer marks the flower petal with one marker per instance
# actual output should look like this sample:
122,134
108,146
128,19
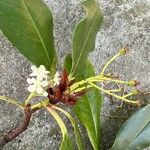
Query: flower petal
45,94
31,80
31,88
34,68
41,68
56,79
33,74
57,75
39,90
56,83
44,83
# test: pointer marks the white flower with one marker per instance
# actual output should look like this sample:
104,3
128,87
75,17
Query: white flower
56,79
37,86
38,80
40,72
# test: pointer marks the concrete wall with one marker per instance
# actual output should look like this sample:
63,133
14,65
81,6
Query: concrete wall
126,22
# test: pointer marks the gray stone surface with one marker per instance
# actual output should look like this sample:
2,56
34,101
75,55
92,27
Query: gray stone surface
126,22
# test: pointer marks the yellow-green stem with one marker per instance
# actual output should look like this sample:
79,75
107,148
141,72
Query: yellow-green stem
12,101
59,121
98,78
117,96
129,94
116,81
108,63
40,105
82,82
29,98
80,89
115,90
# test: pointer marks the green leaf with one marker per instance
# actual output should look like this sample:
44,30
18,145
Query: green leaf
75,126
88,107
135,133
85,35
28,24
88,110
66,144
66,141
68,63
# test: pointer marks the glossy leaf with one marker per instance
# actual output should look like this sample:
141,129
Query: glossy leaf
67,144
85,35
68,63
135,133
88,107
28,24
66,141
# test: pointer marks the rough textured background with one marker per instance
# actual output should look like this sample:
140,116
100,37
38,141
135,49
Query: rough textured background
126,22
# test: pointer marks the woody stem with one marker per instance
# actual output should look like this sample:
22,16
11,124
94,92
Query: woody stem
9,136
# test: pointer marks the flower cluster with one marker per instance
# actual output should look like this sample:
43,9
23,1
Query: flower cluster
38,80
55,90
61,89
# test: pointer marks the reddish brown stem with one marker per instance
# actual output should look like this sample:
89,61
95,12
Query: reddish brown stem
7,137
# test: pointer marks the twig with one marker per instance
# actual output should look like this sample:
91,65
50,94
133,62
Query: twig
9,136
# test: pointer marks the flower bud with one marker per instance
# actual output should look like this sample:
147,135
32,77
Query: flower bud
134,83
123,51
135,92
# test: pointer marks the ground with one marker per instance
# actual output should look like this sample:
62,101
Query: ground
126,23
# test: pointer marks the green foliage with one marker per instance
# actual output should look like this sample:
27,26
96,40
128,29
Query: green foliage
88,107
84,36
135,133
28,24
66,144
88,111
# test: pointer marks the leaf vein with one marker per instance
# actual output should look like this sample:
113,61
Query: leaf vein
37,32
85,42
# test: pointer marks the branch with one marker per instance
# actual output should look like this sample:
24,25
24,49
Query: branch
7,137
